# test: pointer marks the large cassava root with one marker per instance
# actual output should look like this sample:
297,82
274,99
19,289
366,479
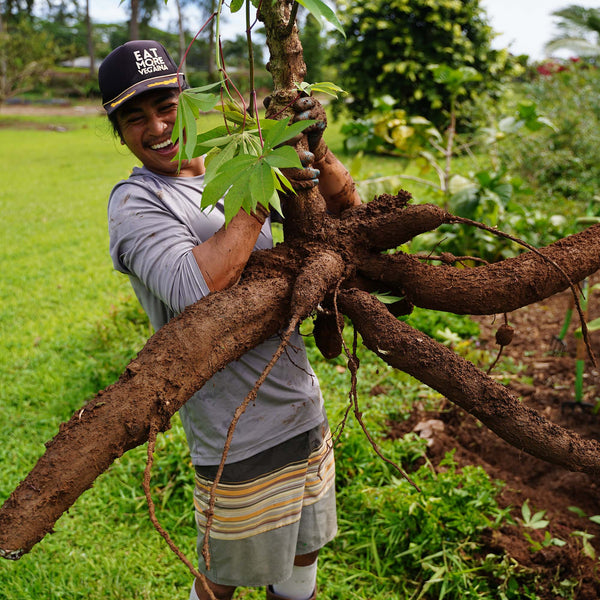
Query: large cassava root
185,353
154,386
460,381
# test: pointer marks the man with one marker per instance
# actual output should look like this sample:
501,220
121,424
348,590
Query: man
275,504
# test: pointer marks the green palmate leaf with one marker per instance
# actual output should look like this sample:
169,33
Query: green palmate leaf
226,177
321,12
218,159
262,185
236,5
203,88
282,182
206,141
275,202
190,114
191,102
237,115
386,297
278,132
177,133
236,196
283,157
203,102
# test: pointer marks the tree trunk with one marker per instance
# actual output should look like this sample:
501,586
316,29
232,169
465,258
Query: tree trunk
90,39
134,20
181,31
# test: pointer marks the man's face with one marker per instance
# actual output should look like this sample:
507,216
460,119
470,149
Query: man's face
146,123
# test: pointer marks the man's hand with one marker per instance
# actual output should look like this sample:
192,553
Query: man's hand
305,178
308,108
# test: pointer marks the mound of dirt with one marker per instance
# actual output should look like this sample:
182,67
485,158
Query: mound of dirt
548,387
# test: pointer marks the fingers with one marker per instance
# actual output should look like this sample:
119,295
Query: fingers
306,158
303,179
307,108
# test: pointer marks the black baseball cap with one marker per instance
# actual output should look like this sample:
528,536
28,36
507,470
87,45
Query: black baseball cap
134,68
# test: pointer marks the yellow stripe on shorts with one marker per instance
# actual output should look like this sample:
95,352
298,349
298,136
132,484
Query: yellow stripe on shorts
267,502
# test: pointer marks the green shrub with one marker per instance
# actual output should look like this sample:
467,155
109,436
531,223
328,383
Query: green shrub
563,165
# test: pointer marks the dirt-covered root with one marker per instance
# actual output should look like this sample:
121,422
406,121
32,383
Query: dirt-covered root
327,332
388,221
321,273
175,362
491,289
413,352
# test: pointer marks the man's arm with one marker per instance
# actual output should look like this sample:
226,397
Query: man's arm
223,256
335,183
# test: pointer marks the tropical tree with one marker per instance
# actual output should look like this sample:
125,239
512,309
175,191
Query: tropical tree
579,31
15,10
141,13
390,44
25,55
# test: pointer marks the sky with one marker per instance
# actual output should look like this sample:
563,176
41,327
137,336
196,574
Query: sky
524,26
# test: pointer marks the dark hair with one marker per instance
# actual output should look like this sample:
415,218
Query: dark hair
114,123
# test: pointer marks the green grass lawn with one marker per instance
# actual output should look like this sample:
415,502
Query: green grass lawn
68,326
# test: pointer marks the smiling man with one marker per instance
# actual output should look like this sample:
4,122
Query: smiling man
275,504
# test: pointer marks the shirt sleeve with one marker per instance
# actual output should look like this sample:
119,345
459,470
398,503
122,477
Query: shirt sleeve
153,243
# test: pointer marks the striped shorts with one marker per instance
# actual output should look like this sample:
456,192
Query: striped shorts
269,508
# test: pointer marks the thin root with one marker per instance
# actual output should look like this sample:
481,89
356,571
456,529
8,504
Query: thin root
152,511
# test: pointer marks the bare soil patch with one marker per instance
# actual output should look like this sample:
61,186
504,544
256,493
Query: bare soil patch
550,390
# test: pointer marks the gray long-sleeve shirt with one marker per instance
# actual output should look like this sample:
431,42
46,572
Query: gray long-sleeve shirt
154,223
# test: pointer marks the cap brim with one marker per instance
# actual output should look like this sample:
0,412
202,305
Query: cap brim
173,80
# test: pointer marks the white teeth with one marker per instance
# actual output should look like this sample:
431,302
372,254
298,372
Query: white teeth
161,145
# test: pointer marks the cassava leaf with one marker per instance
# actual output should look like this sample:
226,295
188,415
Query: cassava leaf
275,202
235,197
203,102
284,181
190,114
323,87
262,186
218,160
236,5
280,132
282,157
203,88
205,140
321,12
226,177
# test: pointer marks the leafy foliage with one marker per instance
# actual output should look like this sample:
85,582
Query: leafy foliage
389,43
422,542
564,163
244,156
25,55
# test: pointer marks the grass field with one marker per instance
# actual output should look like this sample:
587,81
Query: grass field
68,326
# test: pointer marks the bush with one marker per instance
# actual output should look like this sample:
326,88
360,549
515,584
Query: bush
390,44
563,165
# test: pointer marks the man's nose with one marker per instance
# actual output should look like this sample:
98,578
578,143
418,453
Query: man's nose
156,125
